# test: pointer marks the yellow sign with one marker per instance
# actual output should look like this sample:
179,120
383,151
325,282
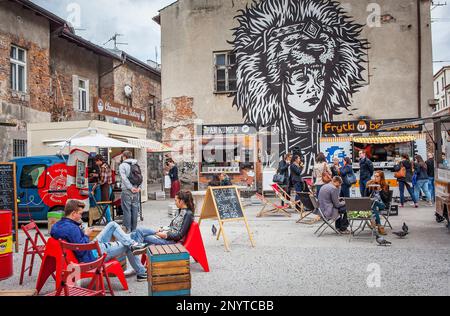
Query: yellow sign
6,245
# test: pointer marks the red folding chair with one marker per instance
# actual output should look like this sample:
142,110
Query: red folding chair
194,245
68,253
34,245
71,274
275,208
54,262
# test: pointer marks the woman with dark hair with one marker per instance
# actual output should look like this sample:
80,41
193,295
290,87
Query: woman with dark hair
345,171
405,180
321,168
296,179
178,228
421,173
284,169
378,190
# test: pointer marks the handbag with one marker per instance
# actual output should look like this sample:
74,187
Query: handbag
278,178
401,173
350,179
326,176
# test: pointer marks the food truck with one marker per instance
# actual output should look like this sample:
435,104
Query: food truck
228,149
45,183
439,124
384,149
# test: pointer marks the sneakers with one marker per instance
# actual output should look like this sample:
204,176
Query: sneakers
138,248
129,272
142,278
430,204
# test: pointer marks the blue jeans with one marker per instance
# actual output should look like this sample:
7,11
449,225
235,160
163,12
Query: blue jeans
148,236
130,207
422,185
363,186
401,187
431,188
377,207
345,191
119,247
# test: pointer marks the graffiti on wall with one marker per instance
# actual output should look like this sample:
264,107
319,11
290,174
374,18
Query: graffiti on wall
299,62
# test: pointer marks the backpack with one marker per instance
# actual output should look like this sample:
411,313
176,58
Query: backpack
135,175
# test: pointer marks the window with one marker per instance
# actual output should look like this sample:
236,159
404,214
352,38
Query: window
225,72
83,88
18,58
152,109
29,179
443,83
437,87
19,148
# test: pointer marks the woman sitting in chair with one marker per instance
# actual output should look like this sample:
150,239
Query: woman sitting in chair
178,228
378,190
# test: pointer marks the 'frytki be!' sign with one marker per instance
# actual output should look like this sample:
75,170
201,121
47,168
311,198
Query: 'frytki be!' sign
113,109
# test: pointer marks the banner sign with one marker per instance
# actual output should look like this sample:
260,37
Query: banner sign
364,126
113,109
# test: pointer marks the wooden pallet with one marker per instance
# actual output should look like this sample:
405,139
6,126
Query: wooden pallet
18,293
169,271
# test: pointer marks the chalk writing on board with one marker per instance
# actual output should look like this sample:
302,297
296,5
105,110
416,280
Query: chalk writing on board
7,187
228,204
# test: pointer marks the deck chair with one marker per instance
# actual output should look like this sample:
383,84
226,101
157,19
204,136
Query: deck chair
326,222
275,209
307,208
386,213
286,198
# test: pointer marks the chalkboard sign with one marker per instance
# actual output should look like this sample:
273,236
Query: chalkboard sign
7,187
8,194
228,203
224,204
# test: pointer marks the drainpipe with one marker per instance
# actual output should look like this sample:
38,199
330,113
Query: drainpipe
419,39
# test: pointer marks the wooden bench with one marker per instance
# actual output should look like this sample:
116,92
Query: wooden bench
168,269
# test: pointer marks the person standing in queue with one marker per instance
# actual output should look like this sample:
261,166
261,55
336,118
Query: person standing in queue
404,177
131,177
430,173
284,170
365,172
345,171
335,168
321,172
296,168
174,179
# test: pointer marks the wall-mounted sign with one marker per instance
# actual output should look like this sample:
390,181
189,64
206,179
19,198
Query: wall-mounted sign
364,126
113,109
228,130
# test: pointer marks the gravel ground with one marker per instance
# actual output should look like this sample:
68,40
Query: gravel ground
289,260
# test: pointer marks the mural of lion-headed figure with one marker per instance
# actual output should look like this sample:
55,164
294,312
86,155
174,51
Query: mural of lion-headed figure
299,62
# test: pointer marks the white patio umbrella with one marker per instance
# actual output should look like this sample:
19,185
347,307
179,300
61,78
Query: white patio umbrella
93,140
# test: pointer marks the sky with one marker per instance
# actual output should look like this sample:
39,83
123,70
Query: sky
98,20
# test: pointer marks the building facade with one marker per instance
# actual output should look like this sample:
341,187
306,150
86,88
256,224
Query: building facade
290,65
49,74
442,90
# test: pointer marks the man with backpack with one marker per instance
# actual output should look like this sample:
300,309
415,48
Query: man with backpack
132,179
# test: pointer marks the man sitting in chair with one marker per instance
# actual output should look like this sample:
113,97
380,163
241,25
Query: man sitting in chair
332,206
69,229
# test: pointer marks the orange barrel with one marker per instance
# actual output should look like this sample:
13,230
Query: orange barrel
6,245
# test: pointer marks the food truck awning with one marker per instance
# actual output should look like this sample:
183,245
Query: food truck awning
384,139
417,121
152,146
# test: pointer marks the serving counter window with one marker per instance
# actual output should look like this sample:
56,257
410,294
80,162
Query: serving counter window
230,154
380,153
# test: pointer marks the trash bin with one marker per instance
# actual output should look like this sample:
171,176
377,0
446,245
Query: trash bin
6,245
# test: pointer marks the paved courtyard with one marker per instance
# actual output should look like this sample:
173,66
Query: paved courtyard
289,260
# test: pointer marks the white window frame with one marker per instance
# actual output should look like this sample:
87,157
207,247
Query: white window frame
227,67
80,91
17,63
